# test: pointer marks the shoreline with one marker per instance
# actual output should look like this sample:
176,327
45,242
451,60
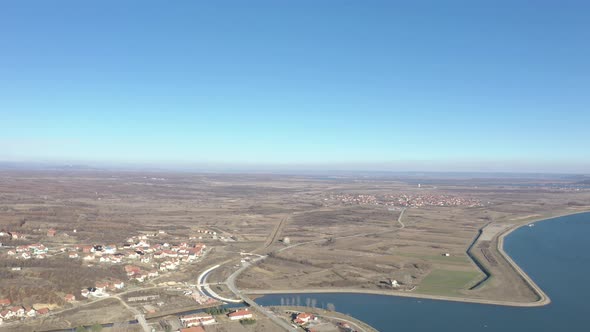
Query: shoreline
542,301
331,315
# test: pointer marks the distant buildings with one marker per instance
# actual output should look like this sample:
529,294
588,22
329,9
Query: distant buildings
407,200
51,232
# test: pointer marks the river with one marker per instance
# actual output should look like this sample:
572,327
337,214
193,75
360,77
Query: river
555,254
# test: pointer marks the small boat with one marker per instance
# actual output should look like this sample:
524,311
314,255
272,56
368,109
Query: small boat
531,225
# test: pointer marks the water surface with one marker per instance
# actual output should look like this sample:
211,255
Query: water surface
555,253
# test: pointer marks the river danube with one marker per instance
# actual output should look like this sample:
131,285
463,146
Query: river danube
555,254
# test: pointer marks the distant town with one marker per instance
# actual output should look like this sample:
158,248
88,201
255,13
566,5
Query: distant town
406,200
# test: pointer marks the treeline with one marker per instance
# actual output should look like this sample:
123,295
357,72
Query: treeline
217,311
247,321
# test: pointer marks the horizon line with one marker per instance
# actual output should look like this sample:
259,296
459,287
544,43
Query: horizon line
264,168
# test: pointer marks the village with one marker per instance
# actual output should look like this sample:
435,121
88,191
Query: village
142,257
403,200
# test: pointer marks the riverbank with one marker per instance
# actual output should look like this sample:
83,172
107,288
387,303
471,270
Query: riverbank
331,315
543,298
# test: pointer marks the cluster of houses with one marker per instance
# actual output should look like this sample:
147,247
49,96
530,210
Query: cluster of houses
406,200
144,261
163,257
13,235
8,312
28,251
52,232
136,273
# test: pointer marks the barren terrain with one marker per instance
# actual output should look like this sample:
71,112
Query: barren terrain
385,234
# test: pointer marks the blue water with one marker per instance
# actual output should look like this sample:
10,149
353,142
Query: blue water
555,253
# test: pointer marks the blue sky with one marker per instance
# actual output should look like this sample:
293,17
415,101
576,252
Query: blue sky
431,85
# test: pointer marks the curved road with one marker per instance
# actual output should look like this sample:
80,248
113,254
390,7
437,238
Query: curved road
399,219
272,238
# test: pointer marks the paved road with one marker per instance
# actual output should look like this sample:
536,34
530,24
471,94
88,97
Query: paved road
231,284
138,315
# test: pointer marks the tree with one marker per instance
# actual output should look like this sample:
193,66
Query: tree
247,321
81,329
96,328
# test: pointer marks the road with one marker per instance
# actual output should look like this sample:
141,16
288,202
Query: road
138,315
231,280
231,284
274,235
399,219
272,238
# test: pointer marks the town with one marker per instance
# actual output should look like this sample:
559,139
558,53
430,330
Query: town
406,200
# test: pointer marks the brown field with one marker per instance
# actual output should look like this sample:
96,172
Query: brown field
331,244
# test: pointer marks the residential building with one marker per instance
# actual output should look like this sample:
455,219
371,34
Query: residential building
240,314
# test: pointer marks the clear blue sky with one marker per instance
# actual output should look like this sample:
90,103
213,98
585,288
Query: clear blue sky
432,85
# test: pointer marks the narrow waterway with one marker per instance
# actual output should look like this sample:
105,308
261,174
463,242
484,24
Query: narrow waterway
555,253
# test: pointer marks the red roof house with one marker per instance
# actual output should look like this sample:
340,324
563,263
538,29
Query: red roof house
240,314
43,311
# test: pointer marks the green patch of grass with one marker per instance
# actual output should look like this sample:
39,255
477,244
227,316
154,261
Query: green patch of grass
463,259
447,282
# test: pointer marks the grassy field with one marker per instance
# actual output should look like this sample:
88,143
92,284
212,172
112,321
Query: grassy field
447,282
459,260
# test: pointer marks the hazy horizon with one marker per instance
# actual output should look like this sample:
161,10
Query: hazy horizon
323,169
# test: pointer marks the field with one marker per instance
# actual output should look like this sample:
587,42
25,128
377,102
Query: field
357,233
447,282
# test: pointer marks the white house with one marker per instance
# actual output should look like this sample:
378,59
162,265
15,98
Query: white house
6,314
18,311
30,312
